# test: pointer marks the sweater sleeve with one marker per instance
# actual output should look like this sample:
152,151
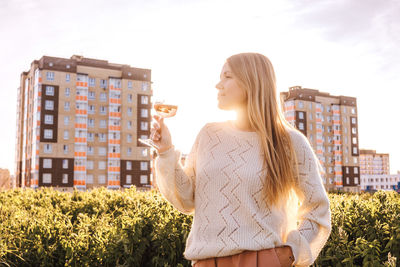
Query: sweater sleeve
175,182
314,218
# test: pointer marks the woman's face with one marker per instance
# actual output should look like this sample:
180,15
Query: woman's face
230,95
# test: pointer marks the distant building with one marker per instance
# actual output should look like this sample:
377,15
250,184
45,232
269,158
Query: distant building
374,163
380,181
78,121
331,125
5,179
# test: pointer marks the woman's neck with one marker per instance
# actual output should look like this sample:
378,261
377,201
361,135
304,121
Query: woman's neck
242,121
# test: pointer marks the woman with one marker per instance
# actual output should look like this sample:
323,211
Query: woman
243,179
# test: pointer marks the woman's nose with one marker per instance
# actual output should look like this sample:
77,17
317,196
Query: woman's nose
219,86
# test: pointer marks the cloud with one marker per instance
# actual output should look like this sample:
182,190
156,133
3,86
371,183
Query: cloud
371,25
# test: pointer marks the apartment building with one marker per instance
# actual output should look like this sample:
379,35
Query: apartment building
78,121
380,182
374,163
331,125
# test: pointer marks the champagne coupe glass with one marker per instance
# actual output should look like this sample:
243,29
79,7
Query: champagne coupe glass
165,111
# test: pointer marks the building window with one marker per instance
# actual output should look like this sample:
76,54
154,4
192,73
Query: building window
144,152
102,137
347,180
300,104
66,135
129,124
102,179
130,98
89,178
355,170
103,124
129,165
353,120
129,151
48,133
144,136
301,115
103,97
144,86
102,151
92,81
50,90
103,110
65,178
301,126
102,165
91,109
310,115
90,150
144,125
129,179
144,113
354,150
49,105
143,166
91,122
103,83
47,163
130,84
47,148
66,106
353,111
129,138
92,95
353,130
67,92
65,164
354,140
89,165
90,137
66,120
67,77
47,178
129,111
48,119
144,100
355,160
143,179
65,148
50,76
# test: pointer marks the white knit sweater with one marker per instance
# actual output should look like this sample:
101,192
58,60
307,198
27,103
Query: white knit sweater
222,183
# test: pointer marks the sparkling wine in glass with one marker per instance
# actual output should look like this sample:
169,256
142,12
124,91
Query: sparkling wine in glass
165,111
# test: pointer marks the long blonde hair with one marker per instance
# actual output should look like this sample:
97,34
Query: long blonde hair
255,74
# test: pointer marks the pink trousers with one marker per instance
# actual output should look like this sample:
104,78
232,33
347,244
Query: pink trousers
261,258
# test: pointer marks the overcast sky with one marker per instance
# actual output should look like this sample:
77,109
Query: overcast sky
344,47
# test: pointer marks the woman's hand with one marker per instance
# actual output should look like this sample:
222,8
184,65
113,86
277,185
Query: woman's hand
160,134
285,256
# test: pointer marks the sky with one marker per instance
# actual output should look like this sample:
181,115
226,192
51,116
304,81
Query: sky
343,47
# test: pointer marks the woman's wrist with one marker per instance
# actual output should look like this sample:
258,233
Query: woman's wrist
164,149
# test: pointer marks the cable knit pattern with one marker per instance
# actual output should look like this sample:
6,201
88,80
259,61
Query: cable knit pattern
223,183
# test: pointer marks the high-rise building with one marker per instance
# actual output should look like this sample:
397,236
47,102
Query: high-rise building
78,121
374,163
331,125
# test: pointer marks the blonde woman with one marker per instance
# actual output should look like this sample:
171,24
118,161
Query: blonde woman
253,184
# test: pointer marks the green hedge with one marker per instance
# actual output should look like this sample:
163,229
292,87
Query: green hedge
131,228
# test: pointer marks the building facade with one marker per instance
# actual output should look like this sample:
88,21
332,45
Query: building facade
373,163
380,182
331,125
78,121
